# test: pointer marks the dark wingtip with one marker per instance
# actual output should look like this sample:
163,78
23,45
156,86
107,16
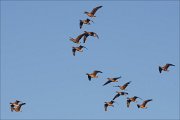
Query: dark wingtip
160,69
138,105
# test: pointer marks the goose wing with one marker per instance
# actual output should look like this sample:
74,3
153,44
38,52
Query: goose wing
95,9
81,24
107,82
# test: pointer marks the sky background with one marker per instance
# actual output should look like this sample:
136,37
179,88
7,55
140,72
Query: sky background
135,37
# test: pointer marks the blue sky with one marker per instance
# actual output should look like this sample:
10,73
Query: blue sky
135,37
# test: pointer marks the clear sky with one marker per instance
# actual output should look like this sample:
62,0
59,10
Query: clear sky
135,37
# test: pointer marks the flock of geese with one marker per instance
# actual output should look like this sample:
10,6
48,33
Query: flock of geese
16,106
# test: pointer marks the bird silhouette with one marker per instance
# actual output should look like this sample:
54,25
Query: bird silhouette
124,86
86,34
16,106
132,99
79,49
119,93
112,80
108,104
93,75
92,13
143,105
86,21
165,67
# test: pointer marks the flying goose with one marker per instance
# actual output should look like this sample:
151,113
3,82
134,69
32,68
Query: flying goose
165,67
143,105
111,80
79,49
16,106
119,93
132,99
86,21
108,104
92,13
86,34
124,86
93,75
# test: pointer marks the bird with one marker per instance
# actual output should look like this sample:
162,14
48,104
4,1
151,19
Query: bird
76,40
108,104
111,80
132,99
86,34
165,67
93,75
16,106
86,21
92,13
143,105
79,48
119,93
124,86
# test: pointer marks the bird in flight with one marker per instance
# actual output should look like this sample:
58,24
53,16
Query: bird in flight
165,67
132,99
86,21
93,75
86,34
16,106
119,93
124,86
108,104
92,13
112,80
76,40
143,105
79,49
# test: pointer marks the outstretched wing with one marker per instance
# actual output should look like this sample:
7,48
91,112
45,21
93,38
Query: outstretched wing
116,96
89,77
160,69
105,106
117,78
73,51
107,82
95,9
85,37
97,71
146,101
96,35
128,102
168,64
12,107
79,37
81,24
126,84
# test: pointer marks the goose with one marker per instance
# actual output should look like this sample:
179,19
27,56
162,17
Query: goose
16,106
86,21
165,67
93,75
119,93
92,13
132,99
124,86
112,80
108,104
143,105
79,49
86,34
